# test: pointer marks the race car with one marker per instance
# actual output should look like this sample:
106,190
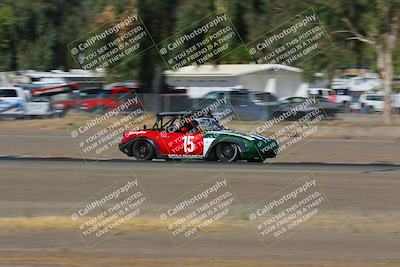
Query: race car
182,135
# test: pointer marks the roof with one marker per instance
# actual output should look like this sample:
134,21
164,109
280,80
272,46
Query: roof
9,87
227,69
63,74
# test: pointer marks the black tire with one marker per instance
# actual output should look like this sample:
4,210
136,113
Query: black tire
212,156
62,113
346,107
227,152
143,150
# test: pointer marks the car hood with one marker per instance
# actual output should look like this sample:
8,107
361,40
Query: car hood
248,136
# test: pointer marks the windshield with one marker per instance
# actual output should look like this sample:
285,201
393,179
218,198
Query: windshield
8,93
209,124
342,91
375,97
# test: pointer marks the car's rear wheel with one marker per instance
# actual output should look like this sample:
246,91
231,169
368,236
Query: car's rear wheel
227,152
143,150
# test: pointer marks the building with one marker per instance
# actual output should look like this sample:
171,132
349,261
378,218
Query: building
280,80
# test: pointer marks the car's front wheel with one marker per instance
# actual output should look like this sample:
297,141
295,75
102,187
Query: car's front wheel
227,152
143,150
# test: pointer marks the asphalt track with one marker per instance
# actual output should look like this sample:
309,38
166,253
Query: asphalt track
32,184
362,230
313,150
201,164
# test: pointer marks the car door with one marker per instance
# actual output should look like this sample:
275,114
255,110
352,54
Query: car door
193,144
184,144
11,102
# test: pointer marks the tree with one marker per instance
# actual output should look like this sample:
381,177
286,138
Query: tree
376,23
7,38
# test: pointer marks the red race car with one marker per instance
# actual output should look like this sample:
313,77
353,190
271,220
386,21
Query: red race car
181,135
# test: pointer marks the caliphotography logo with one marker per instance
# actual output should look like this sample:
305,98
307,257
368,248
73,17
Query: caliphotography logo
288,210
105,213
101,134
206,206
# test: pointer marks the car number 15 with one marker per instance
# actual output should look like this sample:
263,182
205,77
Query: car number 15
188,145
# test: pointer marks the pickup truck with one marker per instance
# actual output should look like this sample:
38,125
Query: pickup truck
16,102
373,102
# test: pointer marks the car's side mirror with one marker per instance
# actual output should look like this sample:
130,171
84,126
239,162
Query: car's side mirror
144,127
184,130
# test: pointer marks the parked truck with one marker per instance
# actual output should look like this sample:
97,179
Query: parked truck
16,102
374,102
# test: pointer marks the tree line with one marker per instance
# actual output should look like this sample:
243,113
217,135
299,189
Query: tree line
34,34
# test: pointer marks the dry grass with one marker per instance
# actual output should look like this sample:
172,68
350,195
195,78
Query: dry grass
348,126
117,261
340,221
78,118
58,222
71,120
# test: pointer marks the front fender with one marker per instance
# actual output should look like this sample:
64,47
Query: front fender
239,142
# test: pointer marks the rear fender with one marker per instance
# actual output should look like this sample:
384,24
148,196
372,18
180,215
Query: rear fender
130,144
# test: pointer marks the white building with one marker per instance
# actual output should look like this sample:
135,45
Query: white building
280,80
